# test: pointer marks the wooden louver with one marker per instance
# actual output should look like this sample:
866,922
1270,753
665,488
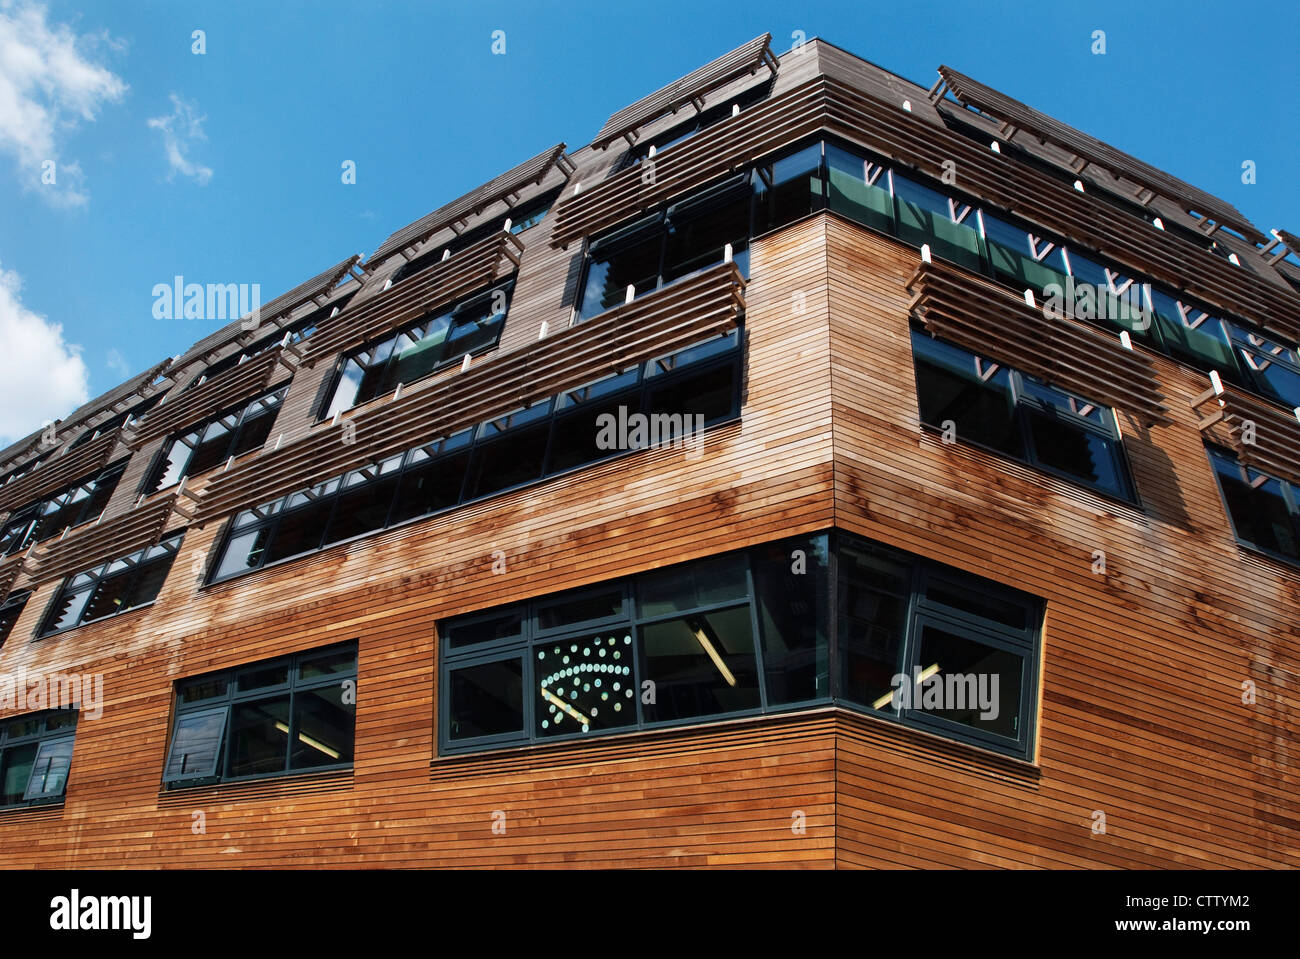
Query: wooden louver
1017,116
462,273
318,286
57,473
86,548
969,311
690,89
824,104
10,567
222,391
1262,435
457,213
657,323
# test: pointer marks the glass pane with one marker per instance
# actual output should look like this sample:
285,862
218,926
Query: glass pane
515,458
974,394
708,582
581,608
1206,346
788,189
1259,514
301,530
700,665
1080,453
15,772
345,393
244,552
420,357
109,596
331,664
579,438
874,589
196,745
609,273
199,689
505,625
50,770
362,508
478,328
486,700
171,467
1020,263
264,676
1274,371
323,728
791,587
1090,299
431,486
680,404
697,241
853,192
925,216
67,609
967,682
152,575
259,737
584,683
982,601
254,431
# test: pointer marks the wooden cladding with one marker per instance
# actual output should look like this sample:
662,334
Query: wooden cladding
10,567
969,311
456,214
200,402
657,323
824,104
747,58
82,549
57,473
464,272
1262,435
319,285
1017,116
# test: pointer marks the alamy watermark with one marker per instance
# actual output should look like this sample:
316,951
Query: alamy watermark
1126,306
206,301
927,689
636,430
30,692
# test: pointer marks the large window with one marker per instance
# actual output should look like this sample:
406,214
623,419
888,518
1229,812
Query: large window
213,442
35,757
111,588
80,503
683,239
294,714
1264,511
674,396
864,188
974,400
437,340
746,633
10,610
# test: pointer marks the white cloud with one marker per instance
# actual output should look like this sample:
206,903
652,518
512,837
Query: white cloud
44,377
181,130
49,80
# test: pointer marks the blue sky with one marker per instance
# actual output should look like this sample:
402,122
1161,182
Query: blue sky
225,167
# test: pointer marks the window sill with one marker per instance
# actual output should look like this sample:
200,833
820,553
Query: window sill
249,789
1289,564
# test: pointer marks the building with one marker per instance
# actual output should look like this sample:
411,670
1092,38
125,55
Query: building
594,518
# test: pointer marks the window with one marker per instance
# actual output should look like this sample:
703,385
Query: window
10,610
935,648
992,406
1272,368
671,396
686,237
745,633
35,757
80,503
1264,511
436,341
289,335
111,588
289,715
212,443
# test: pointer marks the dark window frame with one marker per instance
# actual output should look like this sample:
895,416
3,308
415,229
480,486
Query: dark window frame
1290,498
233,696
30,513
44,734
11,610
93,577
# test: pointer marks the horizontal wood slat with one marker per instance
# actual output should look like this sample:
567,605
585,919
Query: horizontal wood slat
321,283
824,104
112,539
464,272
196,404
1015,114
965,309
653,325
458,211
1262,435
59,472
746,58
10,567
